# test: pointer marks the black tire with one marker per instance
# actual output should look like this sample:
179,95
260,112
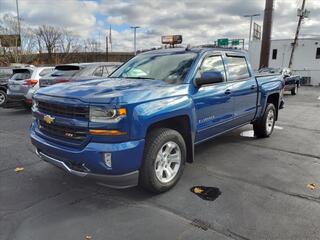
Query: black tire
155,140
260,128
294,91
3,98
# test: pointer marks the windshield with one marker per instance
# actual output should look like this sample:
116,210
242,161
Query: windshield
169,67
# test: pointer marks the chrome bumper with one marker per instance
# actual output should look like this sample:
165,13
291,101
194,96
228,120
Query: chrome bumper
115,181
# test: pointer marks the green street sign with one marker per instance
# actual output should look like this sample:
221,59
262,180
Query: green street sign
223,42
235,42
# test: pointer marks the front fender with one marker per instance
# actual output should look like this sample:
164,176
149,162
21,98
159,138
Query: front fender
146,114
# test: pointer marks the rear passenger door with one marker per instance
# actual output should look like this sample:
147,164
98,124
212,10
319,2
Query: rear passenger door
244,89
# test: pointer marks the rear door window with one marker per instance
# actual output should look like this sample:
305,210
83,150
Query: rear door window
237,68
45,71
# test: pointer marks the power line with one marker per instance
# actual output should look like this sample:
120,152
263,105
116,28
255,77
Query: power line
302,13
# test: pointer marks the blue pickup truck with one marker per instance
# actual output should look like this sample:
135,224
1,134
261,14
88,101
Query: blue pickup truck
140,125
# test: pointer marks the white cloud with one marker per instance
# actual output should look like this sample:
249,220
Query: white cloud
77,16
117,20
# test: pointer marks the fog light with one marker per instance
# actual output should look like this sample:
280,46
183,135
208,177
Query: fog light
107,159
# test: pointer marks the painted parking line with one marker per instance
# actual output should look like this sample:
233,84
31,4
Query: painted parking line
319,98
278,127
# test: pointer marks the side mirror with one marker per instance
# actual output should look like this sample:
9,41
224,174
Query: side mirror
209,77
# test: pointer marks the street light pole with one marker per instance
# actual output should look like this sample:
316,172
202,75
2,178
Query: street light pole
19,30
135,38
251,19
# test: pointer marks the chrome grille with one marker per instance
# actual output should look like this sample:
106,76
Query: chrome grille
63,110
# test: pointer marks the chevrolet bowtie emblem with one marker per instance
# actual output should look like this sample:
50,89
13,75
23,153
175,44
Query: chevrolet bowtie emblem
48,119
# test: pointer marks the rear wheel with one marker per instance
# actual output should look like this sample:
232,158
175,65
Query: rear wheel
164,160
3,98
264,127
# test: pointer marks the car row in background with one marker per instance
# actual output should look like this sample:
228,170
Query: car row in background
291,82
79,71
5,74
17,85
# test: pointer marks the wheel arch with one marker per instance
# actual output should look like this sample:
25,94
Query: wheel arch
274,98
181,124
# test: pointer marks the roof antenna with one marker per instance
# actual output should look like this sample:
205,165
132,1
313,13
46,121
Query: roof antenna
188,48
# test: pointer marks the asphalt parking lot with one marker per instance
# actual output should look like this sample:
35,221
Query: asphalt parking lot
263,184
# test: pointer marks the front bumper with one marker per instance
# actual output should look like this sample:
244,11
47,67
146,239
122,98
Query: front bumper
88,161
115,181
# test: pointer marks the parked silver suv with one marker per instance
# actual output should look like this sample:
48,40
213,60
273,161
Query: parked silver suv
24,82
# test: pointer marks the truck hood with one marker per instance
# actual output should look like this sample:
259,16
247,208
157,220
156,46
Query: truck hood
115,90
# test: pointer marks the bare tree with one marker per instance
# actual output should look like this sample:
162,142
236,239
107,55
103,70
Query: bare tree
91,45
68,43
49,36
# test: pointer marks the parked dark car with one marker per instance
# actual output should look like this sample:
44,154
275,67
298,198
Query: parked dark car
78,71
5,74
291,82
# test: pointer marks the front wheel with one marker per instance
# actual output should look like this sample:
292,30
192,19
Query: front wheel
3,98
164,160
264,126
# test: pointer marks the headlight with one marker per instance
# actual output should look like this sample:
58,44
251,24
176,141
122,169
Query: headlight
106,115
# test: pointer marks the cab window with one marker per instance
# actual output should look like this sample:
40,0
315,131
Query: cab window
238,68
212,63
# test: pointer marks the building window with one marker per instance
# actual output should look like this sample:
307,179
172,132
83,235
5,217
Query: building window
274,53
318,53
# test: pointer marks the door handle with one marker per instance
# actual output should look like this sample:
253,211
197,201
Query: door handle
227,92
253,86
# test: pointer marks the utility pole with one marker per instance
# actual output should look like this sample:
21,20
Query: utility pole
19,30
135,38
266,34
302,13
251,19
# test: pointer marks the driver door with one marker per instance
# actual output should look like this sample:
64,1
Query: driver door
213,103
